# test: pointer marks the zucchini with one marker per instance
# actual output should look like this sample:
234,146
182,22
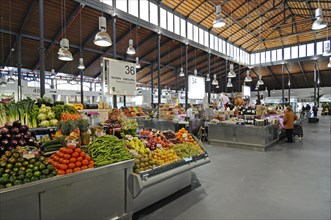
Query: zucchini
54,147
49,143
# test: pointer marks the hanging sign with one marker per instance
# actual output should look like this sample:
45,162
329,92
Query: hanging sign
121,76
196,87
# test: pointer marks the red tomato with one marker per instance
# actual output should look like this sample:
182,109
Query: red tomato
67,156
60,172
69,171
70,151
73,147
85,162
63,150
63,167
82,154
73,160
79,158
90,166
87,157
58,153
61,154
83,167
65,161
71,165
75,154
78,164
91,162
77,169
78,150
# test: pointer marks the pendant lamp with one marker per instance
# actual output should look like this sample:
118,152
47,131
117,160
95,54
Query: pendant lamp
208,78
214,82
248,78
181,73
319,23
217,87
229,84
231,73
195,72
137,63
102,38
219,21
64,53
130,49
81,64
260,82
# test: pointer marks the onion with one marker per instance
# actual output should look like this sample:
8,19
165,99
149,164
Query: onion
8,136
21,142
14,130
13,143
4,130
18,136
8,125
27,136
4,142
24,129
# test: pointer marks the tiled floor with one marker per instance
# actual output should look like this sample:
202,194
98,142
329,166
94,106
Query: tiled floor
290,181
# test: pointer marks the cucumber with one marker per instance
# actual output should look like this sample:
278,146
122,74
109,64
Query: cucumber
54,147
49,143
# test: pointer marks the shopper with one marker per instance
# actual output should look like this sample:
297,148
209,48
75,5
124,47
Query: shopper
113,124
308,110
288,123
189,112
315,109
303,111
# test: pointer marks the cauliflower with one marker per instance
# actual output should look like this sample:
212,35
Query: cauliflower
43,109
53,122
44,124
41,117
50,115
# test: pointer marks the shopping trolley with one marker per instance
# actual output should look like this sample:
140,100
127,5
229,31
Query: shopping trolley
297,130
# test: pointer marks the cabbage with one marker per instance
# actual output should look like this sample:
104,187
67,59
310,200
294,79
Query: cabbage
44,124
47,99
43,110
41,117
48,109
50,115
53,122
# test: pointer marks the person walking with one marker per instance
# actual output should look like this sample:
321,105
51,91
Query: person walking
315,109
288,123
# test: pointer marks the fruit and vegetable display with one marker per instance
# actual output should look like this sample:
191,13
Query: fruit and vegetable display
133,111
70,159
15,134
17,167
108,149
129,126
187,150
65,113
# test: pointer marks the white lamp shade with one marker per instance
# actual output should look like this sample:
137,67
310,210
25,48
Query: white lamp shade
229,84
219,21
181,73
131,49
102,38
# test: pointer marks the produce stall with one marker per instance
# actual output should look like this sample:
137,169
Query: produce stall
249,137
99,193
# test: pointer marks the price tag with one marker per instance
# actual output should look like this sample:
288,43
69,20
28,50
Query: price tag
28,156
188,159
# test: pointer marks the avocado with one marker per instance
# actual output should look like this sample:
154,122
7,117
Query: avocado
16,169
4,180
12,179
29,170
25,163
35,168
32,161
7,171
42,167
45,171
18,164
26,180
21,172
12,160
42,177
34,178
22,168
3,164
29,175
21,177
18,182
9,166
21,159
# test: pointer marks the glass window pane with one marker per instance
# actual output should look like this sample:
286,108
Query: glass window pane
224,45
267,56
216,43
257,58
279,55
263,57
287,53
170,22
177,25
221,45
144,10
189,31
122,5
108,2
227,49
231,50
274,55
212,42
294,51
302,50
201,41
163,17
310,49
183,27
319,48
133,8
253,59
154,13
196,34
206,38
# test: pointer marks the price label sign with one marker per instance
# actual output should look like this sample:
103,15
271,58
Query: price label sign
196,87
121,76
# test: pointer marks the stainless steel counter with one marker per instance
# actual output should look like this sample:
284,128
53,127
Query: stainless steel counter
249,137
99,193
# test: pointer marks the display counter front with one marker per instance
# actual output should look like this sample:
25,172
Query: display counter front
98,193
249,137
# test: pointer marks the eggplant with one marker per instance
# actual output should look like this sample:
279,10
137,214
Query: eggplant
14,130
24,129
4,130
8,125
13,143
21,142
27,136
5,142
17,124
18,136
8,136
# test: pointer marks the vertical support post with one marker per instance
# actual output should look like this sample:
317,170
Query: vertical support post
114,55
152,85
226,78
159,69
124,101
81,72
283,103
19,66
239,85
41,48
315,82
209,82
186,77
289,90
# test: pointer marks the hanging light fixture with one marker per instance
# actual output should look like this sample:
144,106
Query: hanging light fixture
131,49
102,38
231,73
11,79
266,89
208,77
217,87
260,82
81,64
137,63
214,82
64,53
195,72
229,84
181,73
319,23
219,21
329,64
248,78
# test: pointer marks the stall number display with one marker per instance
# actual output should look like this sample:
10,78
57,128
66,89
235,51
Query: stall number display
196,87
121,77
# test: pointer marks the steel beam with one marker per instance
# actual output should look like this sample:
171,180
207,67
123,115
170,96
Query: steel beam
41,49
159,70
